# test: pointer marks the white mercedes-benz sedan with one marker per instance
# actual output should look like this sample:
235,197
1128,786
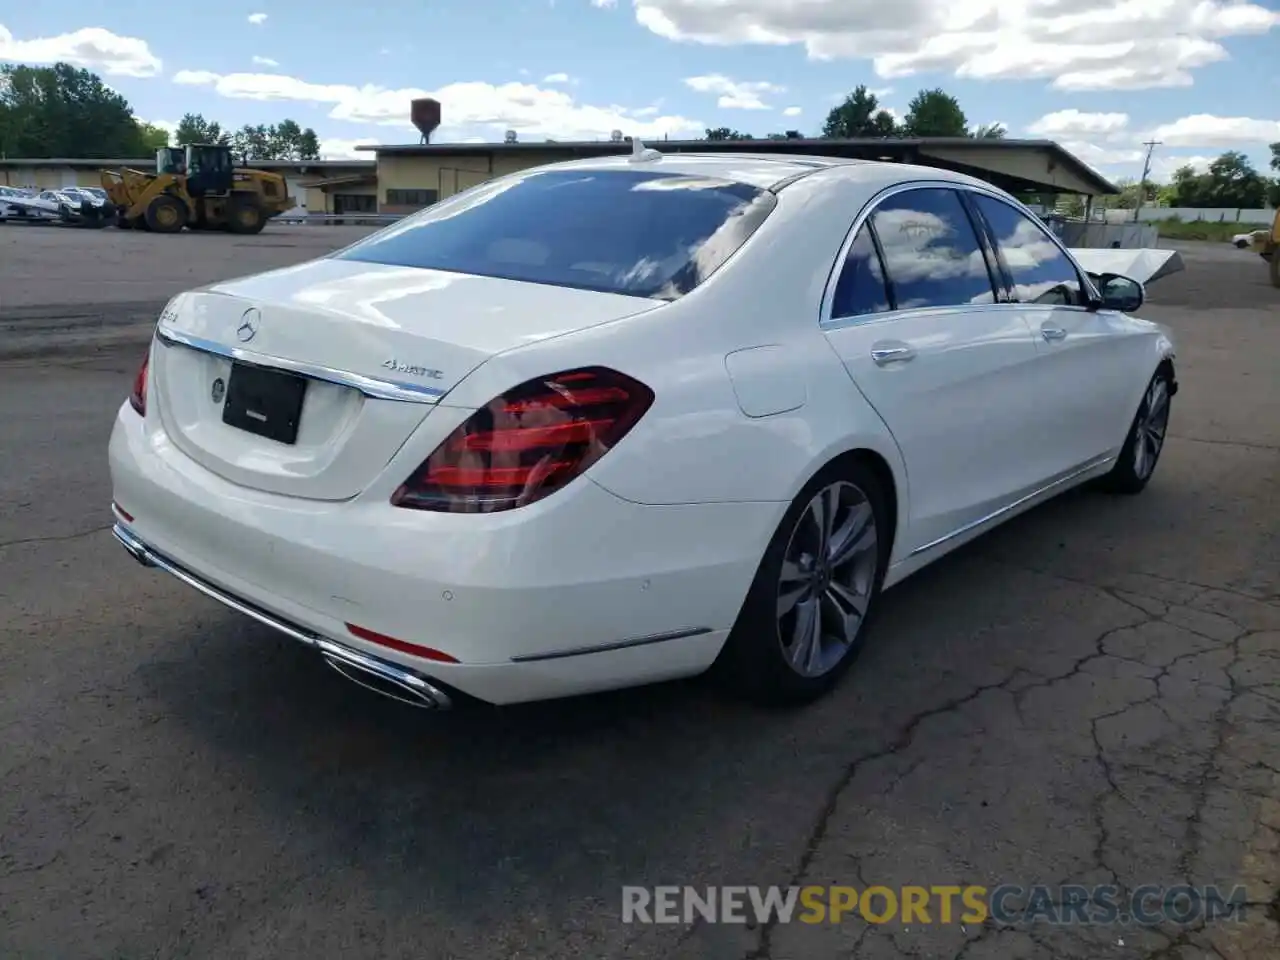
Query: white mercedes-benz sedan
617,421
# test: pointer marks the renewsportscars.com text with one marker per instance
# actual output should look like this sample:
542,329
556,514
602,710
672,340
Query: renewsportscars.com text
1007,904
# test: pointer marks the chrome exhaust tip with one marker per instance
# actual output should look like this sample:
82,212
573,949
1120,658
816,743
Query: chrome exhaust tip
385,678
374,674
132,546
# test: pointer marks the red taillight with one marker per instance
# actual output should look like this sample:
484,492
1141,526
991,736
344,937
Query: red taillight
138,398
527,443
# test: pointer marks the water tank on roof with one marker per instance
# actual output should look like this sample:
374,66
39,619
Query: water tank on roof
425,114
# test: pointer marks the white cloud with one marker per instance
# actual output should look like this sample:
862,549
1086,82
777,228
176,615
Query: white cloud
1162,168
1086,45
1205,130
1099,156
91,47
332,148
792,112
601,4
734,94
266,62
556,78
257,18
1073,123
530,110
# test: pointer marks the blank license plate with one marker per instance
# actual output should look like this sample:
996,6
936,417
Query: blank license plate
264,402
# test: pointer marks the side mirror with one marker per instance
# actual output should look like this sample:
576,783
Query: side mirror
1120,293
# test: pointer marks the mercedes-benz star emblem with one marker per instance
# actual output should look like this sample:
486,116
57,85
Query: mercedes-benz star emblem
249,324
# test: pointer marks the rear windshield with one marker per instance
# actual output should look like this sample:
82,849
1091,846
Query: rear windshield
637,233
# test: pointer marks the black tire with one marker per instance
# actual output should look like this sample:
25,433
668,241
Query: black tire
755,662
1144,443
166,214
245,215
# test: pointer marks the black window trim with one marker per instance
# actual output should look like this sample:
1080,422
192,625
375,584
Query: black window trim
1001,279
890,292
825,319
1081,279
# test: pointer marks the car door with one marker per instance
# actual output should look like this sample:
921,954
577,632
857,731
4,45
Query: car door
1087,356
914,315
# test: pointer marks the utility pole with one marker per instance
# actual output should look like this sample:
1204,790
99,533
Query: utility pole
1146,169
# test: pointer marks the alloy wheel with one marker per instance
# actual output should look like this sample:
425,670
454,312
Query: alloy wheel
1153,424
828,577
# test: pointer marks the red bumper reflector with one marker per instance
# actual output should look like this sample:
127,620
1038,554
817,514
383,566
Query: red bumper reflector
128,517
413,649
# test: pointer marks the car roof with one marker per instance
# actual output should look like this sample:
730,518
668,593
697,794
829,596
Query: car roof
767,171
757,170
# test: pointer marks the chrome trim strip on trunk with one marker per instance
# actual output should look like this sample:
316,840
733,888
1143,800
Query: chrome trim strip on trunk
374,387
994,514
613,645
380,676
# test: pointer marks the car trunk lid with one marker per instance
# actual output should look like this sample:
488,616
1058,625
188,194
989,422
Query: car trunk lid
306,381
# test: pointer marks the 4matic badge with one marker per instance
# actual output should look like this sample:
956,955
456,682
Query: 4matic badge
412,370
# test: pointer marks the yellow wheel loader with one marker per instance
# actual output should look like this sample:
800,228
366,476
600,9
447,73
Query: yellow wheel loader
1270,251
197,187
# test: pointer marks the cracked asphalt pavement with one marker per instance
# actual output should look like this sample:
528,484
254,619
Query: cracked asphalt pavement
1088,695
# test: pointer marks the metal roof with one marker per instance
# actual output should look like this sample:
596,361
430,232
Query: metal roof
910,150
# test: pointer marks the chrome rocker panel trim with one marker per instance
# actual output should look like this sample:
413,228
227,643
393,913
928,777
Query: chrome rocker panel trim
380,676
1008,508
374,387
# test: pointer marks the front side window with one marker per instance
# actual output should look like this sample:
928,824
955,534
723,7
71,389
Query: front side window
636,233
1038,269
931,252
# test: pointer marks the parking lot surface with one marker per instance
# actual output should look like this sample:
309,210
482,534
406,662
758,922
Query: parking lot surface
1089,695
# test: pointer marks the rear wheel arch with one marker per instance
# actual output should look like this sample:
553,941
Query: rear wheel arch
879,466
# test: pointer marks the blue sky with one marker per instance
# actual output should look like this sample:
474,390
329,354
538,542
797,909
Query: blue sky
1099,76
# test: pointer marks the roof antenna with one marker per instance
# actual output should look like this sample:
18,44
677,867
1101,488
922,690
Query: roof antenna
641,154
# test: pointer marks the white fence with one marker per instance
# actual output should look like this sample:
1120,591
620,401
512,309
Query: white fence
1262,217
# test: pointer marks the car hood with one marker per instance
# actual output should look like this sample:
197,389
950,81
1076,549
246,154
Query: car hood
1145,265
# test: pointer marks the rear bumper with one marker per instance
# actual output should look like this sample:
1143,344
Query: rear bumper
580,593
392,679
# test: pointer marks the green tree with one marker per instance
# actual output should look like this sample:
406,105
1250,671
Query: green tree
1188,188
990,131
1231,181
153,137
64,111
935,113
285,140
194,128
1273,193
726,133
788,135
859,115
1275,156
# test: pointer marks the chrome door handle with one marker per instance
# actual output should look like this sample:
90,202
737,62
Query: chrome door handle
1053,333
886,354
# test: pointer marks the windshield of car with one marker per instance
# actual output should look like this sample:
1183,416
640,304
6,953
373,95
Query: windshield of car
636,233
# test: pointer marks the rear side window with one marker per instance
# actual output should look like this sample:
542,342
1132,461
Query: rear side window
637,233
931,251
861,289
1037,267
